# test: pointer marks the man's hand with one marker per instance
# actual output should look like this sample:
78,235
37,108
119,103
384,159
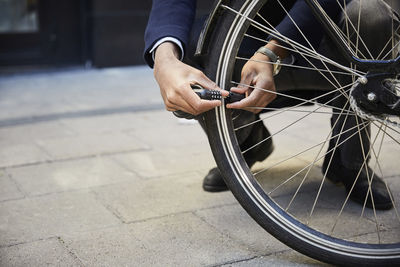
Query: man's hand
257,76
175,77
257,81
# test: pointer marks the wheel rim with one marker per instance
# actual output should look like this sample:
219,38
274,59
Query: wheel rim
264,201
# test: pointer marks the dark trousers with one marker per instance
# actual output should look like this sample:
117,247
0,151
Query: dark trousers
375,17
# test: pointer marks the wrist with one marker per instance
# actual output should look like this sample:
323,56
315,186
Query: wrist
271,57
274,46
166,51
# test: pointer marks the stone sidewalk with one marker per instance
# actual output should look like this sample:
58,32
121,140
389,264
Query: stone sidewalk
94,172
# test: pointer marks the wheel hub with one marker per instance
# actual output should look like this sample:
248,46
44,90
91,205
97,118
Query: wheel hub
378,96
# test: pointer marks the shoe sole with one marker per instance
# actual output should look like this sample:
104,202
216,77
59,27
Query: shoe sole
214,189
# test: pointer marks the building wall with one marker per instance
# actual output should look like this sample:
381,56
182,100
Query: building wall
118,28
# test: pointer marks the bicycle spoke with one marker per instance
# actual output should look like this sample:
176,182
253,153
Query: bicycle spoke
297,51
331,158
352,188
315,160
390,41
369,191
313,101
293,43
294,175
294,66
289,125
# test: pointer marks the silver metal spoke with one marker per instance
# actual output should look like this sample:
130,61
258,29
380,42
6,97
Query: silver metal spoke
390,41
292,42
357,31
312,48
294,175
294,66
316,157
298,110
365,164
297,51
289,108
331,158
352,188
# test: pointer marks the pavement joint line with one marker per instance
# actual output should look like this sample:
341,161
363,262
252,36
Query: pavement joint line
176,213
256,257
77,190
233,262
108,207
17,185
41,148
126,168
80,114
12,199
28,242
49,161
70,252
239,242
47,194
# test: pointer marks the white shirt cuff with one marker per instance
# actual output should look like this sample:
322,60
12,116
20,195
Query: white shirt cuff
167,39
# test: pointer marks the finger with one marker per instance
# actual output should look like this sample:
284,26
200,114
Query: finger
246,102
206,83
183,106
199,105
176,100
245,82
239,90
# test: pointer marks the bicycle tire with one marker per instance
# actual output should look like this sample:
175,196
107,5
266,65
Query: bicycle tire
220,66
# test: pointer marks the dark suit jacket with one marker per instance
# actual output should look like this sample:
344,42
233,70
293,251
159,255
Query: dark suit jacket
174,18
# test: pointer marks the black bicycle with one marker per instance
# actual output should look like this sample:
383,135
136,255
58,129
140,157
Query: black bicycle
287,194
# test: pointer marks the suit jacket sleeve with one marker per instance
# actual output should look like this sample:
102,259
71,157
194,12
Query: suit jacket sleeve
168,18
304,18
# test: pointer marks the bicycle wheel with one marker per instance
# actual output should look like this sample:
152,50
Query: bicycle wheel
287,194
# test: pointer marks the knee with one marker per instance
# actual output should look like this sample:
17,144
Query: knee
373,15
373,21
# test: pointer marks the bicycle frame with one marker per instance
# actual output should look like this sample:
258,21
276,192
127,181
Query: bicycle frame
377,65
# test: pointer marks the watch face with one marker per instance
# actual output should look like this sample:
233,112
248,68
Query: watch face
277,67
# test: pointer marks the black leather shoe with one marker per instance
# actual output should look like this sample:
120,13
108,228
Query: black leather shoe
338,173
213,182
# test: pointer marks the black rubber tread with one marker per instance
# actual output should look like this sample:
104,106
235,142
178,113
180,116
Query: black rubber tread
224,23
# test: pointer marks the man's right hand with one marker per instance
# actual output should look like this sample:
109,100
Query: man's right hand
175,79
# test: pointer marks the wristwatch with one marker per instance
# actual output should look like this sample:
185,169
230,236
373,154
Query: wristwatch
274,58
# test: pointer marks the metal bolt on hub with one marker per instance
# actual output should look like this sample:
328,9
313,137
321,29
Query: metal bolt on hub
371,97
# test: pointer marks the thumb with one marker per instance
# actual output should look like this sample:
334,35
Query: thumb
210,85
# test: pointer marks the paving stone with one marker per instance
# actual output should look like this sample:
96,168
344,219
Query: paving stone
20,154
39,253
135,201
76,90
69,175
237,224
47,216
29,133
87,145
168,161
8,189
180,240
112,123
175,132
290,258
